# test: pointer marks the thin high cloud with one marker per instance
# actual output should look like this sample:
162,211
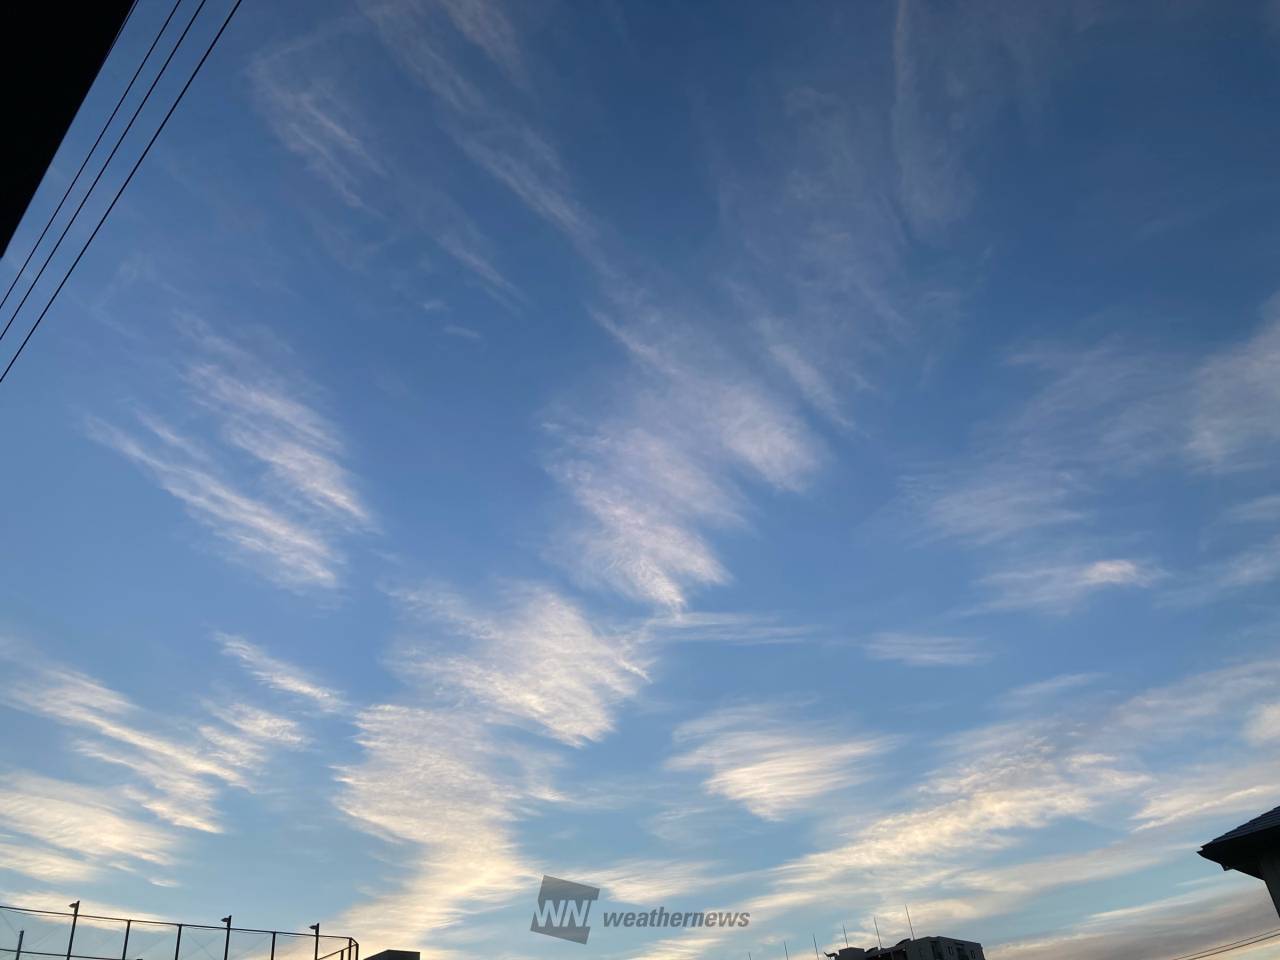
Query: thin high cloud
265,476
925,650
280,674
1236,425
536,660
948,844
647,533
40,862
1059,587
672,467
176,777
1175,926
772,767
81,821
1097,417
461,844
531,659
315,110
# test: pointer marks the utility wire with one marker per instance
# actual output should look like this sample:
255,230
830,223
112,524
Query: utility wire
1228,947
85,162
111,156
145,150
127,179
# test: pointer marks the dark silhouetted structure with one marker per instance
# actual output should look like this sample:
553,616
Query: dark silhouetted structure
50,54
923,948
1252,848
397,955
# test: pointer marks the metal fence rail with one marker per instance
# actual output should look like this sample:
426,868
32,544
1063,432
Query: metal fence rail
27,934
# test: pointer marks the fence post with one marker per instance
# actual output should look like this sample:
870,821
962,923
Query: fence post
316,928
124,951
75,916
273,945
226,944
177,943
17,954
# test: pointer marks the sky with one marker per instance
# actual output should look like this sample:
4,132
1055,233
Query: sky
801,459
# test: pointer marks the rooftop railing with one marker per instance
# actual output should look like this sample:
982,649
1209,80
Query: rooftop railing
27,934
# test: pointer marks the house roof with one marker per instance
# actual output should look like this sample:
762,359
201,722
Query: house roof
1239,849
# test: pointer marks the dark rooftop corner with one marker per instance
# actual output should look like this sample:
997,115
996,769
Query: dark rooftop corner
1252,848
396,955
46,70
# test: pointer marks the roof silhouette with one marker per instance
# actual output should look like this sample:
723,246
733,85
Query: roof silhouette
1239,849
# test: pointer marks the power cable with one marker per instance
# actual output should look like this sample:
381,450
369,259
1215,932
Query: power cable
147,149
85,162
105,164
1228,947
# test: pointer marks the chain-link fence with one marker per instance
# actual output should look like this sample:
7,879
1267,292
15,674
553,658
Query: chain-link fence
39,934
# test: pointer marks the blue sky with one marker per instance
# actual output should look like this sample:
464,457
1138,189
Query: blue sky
802,460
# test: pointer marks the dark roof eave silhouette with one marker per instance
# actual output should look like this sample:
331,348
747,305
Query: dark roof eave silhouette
1244,847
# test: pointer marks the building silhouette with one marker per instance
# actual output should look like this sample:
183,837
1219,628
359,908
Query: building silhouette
923,948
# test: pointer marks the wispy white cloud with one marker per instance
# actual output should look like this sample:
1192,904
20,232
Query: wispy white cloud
283,512
1057,587
495,137
1264,724
773,767
280,675
996,503
658,477
1174,926
650,881
953,77
1178,710
487,25
259,533
1210,790
998,787
465,333
538,660
176,770
1259,510
705,626
920,650
1036,695
310,103
1236,424
313,120
41,862
464,853
83,820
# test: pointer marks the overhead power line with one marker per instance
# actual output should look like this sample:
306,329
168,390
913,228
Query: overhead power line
85,162
1228,947
138,163
106,163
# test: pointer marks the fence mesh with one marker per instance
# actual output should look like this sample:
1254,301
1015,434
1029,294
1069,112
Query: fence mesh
39,934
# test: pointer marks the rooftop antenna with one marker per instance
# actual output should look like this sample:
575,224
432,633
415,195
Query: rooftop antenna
910,925
845,932
877,923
